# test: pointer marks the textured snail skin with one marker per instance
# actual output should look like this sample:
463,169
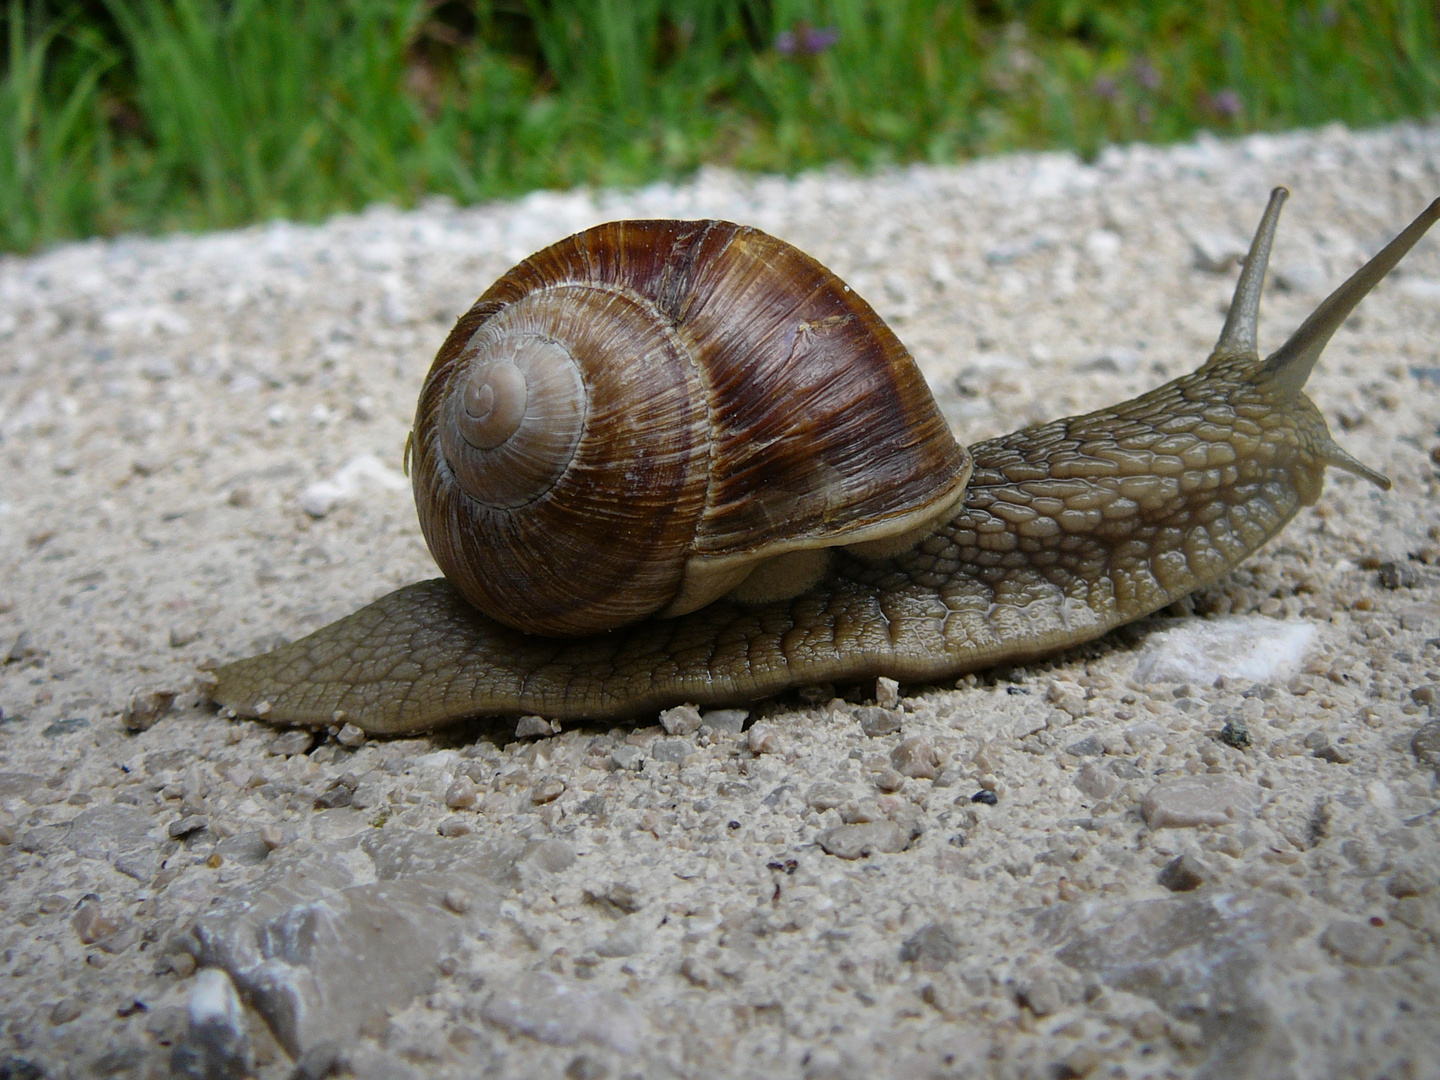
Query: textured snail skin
1067,530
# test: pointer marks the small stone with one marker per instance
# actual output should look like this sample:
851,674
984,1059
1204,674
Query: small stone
875,721
216,1045
146,706
616,899
698,973
1081,1062
585,1067
1096,781
1148,1026
725,721
182,964
182,634
1090,747
987,798
454,826
1407,882
457,900
674,751
341,792
547,790
627,939
934,944
560,1013
272,836
292,742
627,757
246,849
23,649
916,758
552,856
461,794
361,474
1300,277
1235,734
888,780
322,1060
92,924
1188,801
1216,252
1417,914
1398,576
1184,873
186,825
533,727
825,795
763,739
1040,993
1355,942
681,720
887,693
65,727
350,736
860,840
1426,744
64,1010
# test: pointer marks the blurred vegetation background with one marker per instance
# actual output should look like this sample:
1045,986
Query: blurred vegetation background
120,115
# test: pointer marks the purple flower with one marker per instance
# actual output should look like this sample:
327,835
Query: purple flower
1145,74
816,39
803,38
1226,102
1105,88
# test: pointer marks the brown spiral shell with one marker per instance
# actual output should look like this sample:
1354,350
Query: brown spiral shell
636,418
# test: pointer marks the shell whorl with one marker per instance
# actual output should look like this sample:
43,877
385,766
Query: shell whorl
623,447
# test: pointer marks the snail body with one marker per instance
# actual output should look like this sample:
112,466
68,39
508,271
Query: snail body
1063,531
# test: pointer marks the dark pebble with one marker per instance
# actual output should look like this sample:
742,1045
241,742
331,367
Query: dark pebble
989,798
1183,873
1235,734
1398,576
18,1068
336,795
585,1067
186,825
594,806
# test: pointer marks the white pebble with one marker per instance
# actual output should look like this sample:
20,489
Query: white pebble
362,473
1241,647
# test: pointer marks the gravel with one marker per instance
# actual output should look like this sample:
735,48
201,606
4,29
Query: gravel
1060,868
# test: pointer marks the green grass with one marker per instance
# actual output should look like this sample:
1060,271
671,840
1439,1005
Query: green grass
147,115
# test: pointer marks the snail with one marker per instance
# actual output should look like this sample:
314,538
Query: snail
787,506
